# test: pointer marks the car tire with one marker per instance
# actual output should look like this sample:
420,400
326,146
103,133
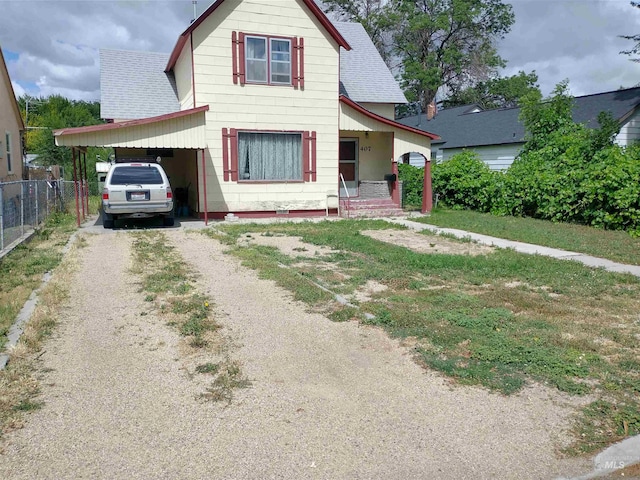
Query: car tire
168,221
107,220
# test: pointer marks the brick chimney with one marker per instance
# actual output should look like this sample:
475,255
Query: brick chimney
431,110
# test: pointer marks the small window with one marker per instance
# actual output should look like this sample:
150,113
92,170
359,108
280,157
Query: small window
280,61
256,59
268,60
142,175
8,147
270,156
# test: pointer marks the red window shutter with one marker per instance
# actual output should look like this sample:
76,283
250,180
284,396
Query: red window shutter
306,164
242,66
301,62
225,154
234,56
312,139
294,62
233,138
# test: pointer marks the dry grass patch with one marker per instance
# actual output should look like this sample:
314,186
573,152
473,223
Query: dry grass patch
288,245
19,385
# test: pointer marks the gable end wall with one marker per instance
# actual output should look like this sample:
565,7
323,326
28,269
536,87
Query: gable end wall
262,107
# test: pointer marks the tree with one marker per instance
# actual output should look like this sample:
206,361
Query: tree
447,42
373,16
635,38
50,113
502,92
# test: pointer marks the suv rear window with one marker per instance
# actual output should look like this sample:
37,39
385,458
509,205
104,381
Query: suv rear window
136,175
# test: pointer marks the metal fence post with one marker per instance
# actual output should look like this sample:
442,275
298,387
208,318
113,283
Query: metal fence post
37,210
22,195
1,218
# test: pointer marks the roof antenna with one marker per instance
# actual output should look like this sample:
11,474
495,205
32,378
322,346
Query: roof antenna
195,13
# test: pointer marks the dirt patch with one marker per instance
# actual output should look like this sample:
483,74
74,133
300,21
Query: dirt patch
422,243
366,292
291,246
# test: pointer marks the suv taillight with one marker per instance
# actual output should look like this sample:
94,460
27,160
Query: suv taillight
169,193
105,194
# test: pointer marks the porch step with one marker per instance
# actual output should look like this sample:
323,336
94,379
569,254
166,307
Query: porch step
368,208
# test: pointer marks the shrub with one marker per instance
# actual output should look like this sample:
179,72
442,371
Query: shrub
465,182
412,182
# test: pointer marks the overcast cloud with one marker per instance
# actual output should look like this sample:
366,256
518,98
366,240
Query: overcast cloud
51,47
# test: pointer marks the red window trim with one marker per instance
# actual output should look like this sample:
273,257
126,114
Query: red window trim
230,155
239,61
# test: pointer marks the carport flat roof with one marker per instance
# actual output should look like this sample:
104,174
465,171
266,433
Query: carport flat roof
183,129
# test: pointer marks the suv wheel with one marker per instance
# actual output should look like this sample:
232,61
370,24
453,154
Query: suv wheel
168,221
107,220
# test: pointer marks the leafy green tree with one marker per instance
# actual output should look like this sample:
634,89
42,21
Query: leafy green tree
447,42
501,92
635,50
49,113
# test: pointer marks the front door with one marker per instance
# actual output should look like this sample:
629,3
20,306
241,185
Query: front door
349,166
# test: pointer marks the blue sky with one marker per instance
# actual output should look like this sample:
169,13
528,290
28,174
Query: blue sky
52,46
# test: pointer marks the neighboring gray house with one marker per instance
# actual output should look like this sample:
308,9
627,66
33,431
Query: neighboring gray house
497,136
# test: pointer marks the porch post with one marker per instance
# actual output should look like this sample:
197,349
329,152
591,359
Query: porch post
427,194
395,191
75,186
204,188
86,181
82,192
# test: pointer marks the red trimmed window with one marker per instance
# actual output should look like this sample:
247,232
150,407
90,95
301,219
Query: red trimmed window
258,156
267,60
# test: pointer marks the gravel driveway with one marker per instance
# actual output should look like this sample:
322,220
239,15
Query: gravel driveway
328,400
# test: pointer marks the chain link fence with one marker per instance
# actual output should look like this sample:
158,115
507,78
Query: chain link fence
27,203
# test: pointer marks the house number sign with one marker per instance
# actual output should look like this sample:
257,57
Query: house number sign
365,149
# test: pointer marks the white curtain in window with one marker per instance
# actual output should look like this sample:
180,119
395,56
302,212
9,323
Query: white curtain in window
256,51
269,156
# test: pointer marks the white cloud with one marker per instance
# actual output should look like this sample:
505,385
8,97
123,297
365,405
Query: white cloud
17,89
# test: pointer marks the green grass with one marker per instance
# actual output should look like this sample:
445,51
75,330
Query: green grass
167,282
22,269
617,246
500,320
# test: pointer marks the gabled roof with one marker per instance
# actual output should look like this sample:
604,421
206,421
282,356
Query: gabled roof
311,5
364,77
385,120
14,102
134,85
459,129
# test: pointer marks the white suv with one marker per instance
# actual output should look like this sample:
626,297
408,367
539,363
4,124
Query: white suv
136,190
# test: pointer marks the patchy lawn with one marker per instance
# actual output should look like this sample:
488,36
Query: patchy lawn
614,245
495,317
22,269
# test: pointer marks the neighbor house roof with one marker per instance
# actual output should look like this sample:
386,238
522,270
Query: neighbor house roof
14,102
311,5
364,77
134,85
459,129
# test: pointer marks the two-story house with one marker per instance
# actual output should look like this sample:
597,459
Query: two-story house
11,129
262,108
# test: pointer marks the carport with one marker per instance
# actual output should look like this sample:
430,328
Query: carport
178,138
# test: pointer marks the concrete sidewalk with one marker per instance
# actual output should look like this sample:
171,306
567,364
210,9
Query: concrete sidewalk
524,247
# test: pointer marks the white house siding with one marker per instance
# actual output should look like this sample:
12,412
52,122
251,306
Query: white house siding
630,131
9,124
387,110
182,132
263,107
182,73
403,141
497,157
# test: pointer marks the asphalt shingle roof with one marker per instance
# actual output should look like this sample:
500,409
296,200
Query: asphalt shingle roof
134,85
364,77
494,127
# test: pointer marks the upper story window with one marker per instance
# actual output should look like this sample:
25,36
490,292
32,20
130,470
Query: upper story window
7,137
268,60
